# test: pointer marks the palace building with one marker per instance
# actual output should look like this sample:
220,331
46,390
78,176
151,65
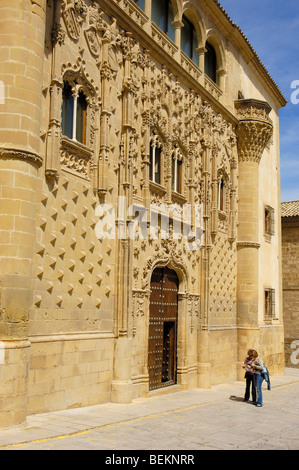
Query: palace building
121,123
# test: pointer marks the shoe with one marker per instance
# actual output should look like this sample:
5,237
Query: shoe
245,399
259,406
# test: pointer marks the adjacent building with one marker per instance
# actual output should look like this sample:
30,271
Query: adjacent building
290,280
140,202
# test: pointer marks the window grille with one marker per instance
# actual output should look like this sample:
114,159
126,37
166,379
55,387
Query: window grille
269,221
269,304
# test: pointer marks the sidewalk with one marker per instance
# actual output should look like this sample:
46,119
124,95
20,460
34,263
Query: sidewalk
78,421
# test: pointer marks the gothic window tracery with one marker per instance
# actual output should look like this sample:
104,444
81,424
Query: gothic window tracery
78,124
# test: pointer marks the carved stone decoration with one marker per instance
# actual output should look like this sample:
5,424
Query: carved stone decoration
80,8
194,310
71,25
167,255
92,41
254,130
57,34
75,158
138,307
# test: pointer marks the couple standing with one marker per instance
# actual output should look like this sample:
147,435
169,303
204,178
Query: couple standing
253,366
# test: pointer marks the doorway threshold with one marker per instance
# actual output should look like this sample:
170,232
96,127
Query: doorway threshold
165,390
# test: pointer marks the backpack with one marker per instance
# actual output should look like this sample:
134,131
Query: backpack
266,376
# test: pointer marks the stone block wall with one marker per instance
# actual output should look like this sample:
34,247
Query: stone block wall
290,279
68,371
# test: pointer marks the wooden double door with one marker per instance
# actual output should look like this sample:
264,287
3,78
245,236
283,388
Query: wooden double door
163,314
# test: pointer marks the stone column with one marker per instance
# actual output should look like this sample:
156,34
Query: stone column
253,133
22,33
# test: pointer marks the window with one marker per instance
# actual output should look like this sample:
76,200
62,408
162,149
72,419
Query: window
211,62
221,195
189,40
140,3
269,303
155,160
176,166
74,110
67,110
269,221
163,17
81,118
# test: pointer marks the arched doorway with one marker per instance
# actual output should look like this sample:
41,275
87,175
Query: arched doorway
162,342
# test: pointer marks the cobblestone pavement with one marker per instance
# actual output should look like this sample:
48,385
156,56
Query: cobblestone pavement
197,419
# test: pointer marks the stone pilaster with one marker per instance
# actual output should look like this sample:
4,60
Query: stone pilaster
121,388
253,133
22,33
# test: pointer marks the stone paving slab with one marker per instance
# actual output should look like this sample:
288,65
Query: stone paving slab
196,419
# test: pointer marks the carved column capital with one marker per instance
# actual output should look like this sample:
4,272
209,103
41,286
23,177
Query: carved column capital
254,129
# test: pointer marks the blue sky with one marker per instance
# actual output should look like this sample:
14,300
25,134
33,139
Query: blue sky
272,27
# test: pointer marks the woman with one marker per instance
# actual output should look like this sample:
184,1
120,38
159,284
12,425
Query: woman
257,367
250,377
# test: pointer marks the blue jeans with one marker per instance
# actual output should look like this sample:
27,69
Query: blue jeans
259,381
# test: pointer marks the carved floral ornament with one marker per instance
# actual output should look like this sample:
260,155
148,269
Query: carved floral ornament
192,131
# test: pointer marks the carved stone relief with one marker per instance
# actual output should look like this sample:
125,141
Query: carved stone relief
158,102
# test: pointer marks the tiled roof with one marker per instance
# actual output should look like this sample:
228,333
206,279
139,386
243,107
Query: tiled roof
290,209
260,63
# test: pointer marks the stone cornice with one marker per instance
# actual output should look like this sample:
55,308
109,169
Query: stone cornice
21,154
246,244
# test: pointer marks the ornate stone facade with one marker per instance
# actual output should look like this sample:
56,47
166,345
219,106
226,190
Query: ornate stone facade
74,306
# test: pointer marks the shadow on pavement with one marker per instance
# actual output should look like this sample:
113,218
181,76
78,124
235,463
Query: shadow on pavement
235,398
